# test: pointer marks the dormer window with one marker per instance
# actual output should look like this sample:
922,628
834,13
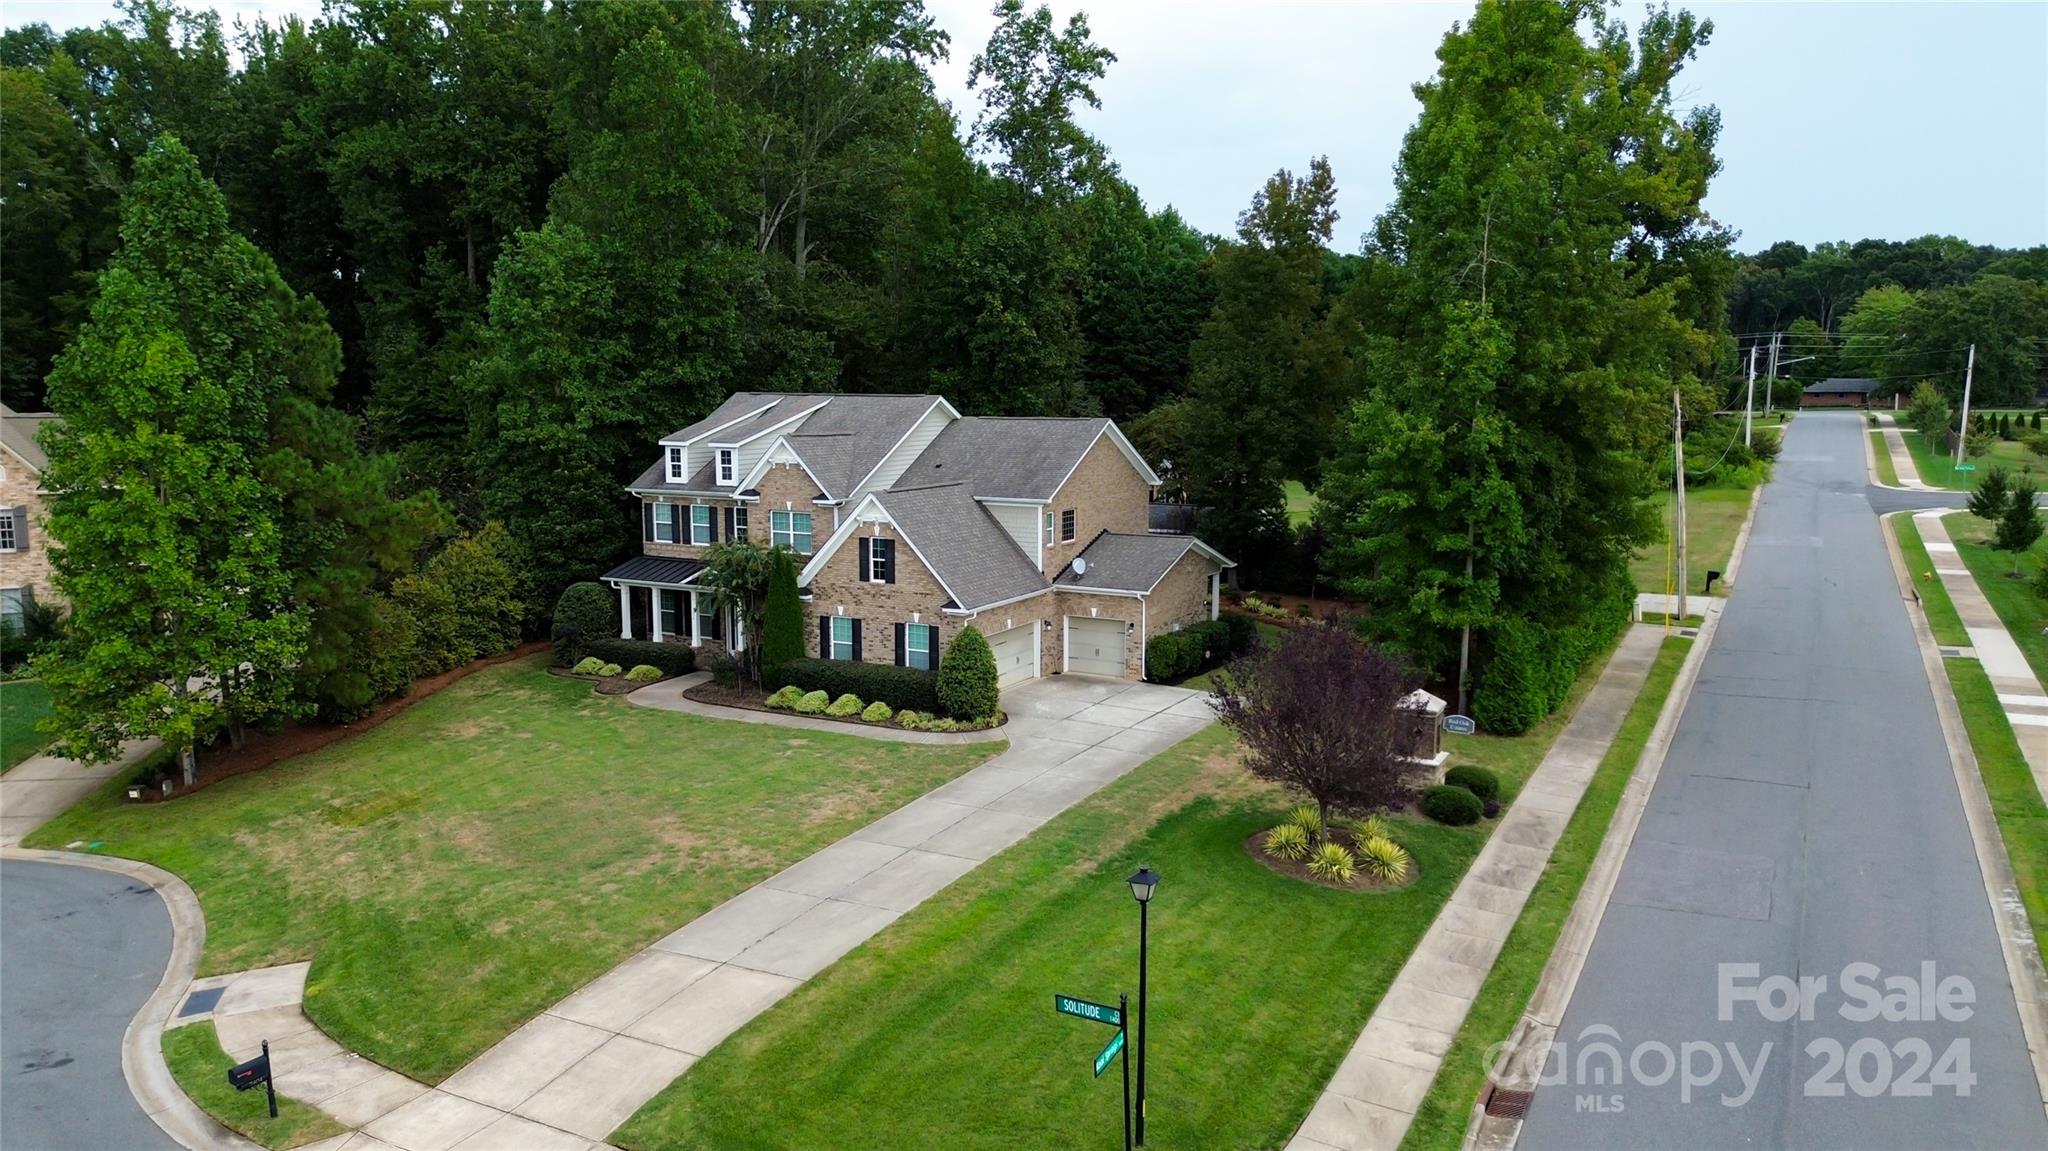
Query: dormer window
726,478
675,466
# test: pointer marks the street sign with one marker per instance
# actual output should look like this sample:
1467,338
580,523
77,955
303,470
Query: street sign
1099,1012
1109,1053
1966,467
1460,724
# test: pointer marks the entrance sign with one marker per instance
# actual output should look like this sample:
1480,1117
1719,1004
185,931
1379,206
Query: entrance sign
1460,724
1109,1053
1099,1012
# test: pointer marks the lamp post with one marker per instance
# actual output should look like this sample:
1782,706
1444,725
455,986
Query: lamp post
1143,884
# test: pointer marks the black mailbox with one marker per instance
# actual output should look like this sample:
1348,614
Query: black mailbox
255,1073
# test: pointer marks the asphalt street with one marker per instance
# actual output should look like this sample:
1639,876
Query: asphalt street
80,951
1806,821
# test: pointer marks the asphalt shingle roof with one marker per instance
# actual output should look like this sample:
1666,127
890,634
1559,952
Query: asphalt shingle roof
1022,458
970,553
1840,384
1126,562
18,432
841,441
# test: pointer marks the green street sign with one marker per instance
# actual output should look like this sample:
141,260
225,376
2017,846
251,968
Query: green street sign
1966,467
1099,1012
1109,1053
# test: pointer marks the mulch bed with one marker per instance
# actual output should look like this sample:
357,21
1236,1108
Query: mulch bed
263,749
715,693
1255,846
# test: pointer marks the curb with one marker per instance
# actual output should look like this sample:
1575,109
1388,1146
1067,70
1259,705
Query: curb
1528,1046
142,1052
2023,963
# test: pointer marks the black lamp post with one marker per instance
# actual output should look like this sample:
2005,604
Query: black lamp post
1143,884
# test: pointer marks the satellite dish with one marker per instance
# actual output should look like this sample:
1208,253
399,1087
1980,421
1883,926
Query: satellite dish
1080,566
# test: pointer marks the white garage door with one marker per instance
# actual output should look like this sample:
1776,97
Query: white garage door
1095,646
1016,654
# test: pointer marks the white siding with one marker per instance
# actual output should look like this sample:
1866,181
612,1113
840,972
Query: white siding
1020,521
897,462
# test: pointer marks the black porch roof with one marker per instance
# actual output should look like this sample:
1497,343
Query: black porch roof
655,569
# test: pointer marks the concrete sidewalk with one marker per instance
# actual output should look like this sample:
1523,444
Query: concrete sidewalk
1902,458
1371,1100
2012,677
42,787
571,1075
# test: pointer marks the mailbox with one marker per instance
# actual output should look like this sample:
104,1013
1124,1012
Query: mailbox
255,1073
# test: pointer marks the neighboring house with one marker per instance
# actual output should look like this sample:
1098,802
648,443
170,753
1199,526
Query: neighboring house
1837,393
911,522
24,561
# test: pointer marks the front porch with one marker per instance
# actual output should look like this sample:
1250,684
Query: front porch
659,600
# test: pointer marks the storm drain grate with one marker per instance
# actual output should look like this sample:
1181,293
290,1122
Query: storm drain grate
201,1002
1507,1103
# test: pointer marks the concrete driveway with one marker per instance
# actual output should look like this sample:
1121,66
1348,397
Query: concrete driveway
83,950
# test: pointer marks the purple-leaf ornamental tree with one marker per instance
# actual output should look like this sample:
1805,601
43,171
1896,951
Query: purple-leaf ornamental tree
1315,713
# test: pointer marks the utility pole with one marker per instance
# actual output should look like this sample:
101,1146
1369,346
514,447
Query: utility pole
1771,384
1963,430
1465,640
1749,400
1678,474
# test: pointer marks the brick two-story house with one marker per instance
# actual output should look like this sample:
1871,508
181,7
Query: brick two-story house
911,522
24,562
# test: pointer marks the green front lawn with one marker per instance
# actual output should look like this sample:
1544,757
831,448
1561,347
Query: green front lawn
1713,518
1301,503
1937,469
1440,1121
461,867
940,1033
201,1069
2018,605
22,703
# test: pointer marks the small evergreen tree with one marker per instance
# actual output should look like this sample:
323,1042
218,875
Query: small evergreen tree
782,618
2020,525
585,611
967,676
1989,500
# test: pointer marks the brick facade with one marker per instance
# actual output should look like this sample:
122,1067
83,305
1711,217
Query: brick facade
1107,494
28,568
1182,596
879,607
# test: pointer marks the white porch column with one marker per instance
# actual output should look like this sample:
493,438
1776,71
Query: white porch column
657,593
696,623
625,612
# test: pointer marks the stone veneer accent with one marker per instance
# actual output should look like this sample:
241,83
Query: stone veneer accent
31,568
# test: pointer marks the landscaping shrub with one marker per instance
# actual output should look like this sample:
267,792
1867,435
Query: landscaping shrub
1474,779
1374,826
1309,818
966,685
1287,841
485,572
1491,809
671,658
1333,862
1383,859
782,616
1452,805
724,669
584,611
899,687
437,639
911,720
1171,656
390,648
785,698
588,665
877,712
644,673
609,670
845,706
1240,633
815,703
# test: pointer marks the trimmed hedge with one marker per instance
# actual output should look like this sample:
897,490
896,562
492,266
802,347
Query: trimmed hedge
1532,666
1176,655
1474,779
584,611
902,688
968,686
671,658
1451,805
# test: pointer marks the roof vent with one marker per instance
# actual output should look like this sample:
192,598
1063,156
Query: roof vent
1080,566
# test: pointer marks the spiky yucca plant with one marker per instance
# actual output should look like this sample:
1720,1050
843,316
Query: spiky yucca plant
1333,862
1309,818
1374,826
1383,859
1287,841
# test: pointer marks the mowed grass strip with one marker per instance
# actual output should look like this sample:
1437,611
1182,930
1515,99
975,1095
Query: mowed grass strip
22,703
1881,455
940,1033
458,869
1440,1122
201,1069
1713,518
1942,619
1938,468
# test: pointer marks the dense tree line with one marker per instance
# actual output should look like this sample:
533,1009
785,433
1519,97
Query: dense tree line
515,241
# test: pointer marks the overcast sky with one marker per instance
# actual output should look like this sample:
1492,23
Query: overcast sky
1840,120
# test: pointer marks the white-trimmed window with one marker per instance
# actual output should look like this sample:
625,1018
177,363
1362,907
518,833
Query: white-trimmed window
791,530
707,616
739,523
921,646
701,531
665,523
726,470
13,604
842,638
1048,527
8,540
675,466
671,605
